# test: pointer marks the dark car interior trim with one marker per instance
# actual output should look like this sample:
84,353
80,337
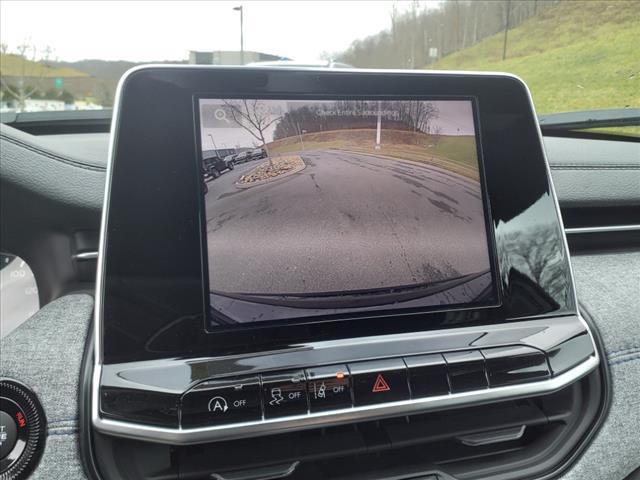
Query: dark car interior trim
181,436
565,426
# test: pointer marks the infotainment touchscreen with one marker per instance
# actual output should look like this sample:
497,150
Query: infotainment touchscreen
323,207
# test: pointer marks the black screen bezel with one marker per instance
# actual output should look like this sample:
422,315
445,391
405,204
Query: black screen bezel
496,294
151,296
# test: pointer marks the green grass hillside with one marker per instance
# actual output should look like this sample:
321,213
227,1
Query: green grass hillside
577,55
14,66
454,153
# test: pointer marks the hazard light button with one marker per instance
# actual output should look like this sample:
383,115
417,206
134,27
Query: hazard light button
379,381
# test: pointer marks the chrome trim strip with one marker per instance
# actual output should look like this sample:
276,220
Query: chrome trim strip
603,229
99,295
180,436
86,256
164,435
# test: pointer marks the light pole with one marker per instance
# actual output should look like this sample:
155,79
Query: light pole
300,135
378,125
215,148
506,30
239,9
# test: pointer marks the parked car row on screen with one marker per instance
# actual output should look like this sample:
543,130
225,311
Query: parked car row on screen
216,165
248,155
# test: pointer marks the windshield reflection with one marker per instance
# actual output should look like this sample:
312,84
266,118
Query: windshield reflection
530,247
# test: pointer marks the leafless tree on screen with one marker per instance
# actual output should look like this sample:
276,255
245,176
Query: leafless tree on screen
253,116
416,114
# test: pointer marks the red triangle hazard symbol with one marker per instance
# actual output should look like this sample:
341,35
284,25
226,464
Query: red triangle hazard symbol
380,385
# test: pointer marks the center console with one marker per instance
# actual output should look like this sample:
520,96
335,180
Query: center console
287,251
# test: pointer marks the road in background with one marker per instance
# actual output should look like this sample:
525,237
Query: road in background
347,221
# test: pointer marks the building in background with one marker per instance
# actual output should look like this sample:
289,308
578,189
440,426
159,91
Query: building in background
230,57
43,105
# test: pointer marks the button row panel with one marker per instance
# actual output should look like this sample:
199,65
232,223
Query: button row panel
321,389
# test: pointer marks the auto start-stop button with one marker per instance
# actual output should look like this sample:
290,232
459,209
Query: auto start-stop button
215,402
8,434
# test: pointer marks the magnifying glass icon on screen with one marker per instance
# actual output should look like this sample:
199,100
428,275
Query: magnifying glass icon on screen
220,114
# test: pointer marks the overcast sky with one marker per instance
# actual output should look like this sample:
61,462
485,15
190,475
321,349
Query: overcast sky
163,30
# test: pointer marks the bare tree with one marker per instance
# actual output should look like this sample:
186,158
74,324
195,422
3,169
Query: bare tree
416,114
452,25
537,255
254,117
21,92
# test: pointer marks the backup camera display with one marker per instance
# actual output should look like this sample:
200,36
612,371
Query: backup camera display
320,207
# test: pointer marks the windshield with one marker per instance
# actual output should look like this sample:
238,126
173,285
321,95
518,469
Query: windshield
574,55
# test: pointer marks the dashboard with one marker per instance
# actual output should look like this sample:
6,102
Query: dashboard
319,274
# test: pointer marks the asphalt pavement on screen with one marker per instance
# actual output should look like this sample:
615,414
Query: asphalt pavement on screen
347,221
